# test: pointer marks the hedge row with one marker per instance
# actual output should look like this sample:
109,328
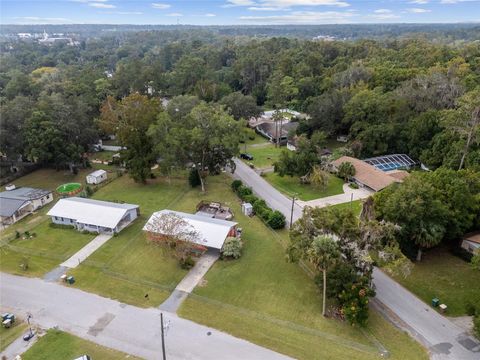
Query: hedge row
273,218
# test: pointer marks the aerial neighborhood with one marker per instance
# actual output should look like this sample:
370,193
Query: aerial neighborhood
279,191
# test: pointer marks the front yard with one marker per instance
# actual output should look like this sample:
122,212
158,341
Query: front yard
7,336
291,186
59,345
265,154
42,252
446,277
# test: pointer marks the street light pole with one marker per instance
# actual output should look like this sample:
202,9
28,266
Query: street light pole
163,338
29,316
291,212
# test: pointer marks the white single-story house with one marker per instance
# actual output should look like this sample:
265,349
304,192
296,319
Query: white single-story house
471,242
212,232
96,177
93,215
16,203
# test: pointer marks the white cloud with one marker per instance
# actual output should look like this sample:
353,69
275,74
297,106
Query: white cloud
418,10
160,6
272,5
41,20
210,15
266,8
455,1
101,5
232,3
302,17
123,12
418,2
175,14
382,11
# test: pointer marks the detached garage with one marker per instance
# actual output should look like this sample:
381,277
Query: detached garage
96,177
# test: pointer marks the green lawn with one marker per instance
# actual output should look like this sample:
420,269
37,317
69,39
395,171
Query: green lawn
264,154
58,345
102,155
257,139
44,252
356,206
446,277
273,303
128,267
7,336
291,186
50,179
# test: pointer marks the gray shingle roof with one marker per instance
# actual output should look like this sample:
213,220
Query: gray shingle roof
9,206
24,193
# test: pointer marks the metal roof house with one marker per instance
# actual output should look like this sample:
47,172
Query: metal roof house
212,232
93,215
16,203
272,130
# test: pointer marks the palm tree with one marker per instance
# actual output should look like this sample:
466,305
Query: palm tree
323,254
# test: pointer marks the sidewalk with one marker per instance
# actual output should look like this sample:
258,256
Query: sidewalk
18,346
188,283
86,251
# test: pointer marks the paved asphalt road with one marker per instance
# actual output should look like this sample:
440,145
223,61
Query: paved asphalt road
123,327
262,188
443,338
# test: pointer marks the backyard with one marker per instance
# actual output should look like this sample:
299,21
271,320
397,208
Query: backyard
291,186
442,275
59,345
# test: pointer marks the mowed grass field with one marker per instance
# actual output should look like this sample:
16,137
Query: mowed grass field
259,297
291,186
264,299
265,154
442,275
7,336
58,345
42,252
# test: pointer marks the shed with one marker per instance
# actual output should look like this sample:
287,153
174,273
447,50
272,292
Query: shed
96,177
247,209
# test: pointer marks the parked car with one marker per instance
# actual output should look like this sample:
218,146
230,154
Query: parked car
246,156
28,336
84,357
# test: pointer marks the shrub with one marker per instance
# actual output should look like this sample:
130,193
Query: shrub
265,214
354,300
88,191
119,173
236,185
153,176
353,185
27,234
232,248
194,178
17,234
276,220
244,191
187,263
470,309
476,325
346,170
250,198
259,205
251,137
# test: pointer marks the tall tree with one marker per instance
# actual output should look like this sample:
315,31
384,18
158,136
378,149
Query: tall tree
130,119
323,254
207,139
241,106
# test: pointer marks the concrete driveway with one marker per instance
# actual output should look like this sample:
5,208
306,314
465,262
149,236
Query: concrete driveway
348,195
119,326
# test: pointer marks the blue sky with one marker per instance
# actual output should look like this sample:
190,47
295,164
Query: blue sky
228,12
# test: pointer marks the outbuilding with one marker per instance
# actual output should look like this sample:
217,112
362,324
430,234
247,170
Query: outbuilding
93,215
96,177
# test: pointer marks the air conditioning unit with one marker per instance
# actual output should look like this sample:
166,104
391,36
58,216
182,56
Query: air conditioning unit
10,187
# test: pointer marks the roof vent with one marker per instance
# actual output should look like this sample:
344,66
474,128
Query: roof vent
10,187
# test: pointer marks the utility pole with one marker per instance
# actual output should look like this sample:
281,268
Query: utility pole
163,338
291,212
29,316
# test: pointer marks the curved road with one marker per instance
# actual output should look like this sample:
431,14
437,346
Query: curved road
444,339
